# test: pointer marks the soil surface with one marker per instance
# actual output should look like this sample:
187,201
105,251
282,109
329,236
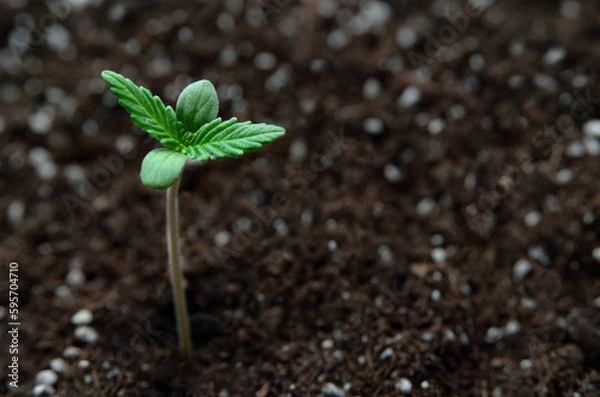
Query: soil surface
428,225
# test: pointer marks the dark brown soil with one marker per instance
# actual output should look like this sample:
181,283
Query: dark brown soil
335,261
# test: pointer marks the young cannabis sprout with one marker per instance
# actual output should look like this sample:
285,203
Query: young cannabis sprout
192,131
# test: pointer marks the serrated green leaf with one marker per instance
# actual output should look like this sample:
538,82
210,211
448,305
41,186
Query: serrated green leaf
207,130
161,168
230,139
197,105
147,111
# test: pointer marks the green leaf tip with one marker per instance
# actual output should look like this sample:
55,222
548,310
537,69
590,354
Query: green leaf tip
191,131
147,111
161,168
230,139
197,105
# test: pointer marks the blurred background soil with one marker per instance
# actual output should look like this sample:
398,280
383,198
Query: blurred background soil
427,226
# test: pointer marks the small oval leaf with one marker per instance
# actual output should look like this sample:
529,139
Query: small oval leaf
197,105
161,168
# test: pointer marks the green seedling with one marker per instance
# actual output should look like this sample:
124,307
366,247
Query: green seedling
191,132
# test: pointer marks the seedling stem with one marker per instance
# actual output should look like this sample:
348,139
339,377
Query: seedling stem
176,272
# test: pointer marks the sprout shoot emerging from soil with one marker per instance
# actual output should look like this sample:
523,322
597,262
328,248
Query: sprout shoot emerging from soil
192,131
